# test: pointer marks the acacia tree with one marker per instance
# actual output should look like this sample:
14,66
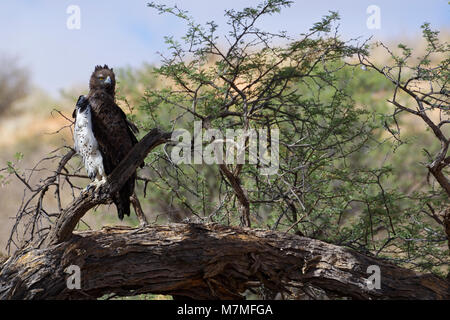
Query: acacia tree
264,80
247,79
421,89
324,188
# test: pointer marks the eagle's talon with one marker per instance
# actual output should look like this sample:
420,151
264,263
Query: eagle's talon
97,185
86,190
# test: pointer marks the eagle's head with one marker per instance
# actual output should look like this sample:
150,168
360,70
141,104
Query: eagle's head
103,78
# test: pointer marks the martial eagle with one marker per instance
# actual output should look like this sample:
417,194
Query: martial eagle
103,135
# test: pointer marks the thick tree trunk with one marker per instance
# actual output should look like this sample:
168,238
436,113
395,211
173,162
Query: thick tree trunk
203,262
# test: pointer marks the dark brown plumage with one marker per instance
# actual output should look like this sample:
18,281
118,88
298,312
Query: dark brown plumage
112,131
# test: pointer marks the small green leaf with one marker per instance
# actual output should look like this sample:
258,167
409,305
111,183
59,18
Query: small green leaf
18,156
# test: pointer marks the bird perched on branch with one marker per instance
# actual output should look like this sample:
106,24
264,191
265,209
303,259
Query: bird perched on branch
86,144
112,131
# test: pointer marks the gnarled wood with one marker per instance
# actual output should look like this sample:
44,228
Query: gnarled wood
203,262
67,221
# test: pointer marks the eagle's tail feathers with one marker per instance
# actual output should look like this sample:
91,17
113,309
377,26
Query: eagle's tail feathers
122,203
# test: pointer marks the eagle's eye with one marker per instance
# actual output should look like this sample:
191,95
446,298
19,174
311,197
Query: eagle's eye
101,78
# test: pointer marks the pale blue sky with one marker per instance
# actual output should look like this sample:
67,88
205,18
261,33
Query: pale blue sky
127,32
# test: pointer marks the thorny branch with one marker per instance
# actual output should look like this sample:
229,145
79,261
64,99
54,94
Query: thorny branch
34,224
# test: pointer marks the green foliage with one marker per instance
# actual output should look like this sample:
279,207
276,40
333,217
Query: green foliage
18,156
346,175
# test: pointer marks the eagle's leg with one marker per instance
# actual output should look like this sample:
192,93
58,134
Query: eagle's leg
90,186
92,175
98,183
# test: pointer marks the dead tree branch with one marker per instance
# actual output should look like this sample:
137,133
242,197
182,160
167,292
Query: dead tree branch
70,217
204,262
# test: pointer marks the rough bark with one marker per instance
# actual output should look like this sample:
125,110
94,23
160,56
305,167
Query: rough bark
69,217
203,262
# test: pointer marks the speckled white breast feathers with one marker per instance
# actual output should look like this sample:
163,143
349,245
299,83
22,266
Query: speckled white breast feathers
87,146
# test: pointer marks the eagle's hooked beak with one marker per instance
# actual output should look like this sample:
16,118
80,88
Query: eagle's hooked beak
108,80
